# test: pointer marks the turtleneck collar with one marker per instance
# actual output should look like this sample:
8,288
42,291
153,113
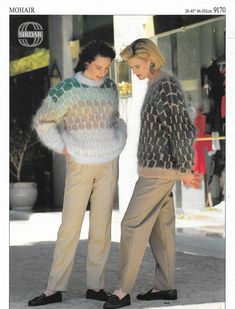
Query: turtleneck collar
87,81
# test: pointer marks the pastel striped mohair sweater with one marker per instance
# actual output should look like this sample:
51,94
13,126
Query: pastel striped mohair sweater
82,114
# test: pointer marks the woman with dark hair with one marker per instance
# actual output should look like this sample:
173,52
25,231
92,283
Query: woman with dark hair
91,51
79,118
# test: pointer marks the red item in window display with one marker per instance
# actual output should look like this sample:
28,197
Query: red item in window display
200,146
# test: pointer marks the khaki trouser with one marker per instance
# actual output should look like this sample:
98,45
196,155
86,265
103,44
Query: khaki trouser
97,182
149,217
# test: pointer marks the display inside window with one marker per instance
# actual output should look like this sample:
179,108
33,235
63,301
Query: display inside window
123,79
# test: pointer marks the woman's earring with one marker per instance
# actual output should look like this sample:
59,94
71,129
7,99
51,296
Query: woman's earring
152,68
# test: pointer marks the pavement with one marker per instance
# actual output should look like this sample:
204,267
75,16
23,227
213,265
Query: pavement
200,260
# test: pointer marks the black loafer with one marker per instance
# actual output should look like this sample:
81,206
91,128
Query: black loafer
44,300
97,295
166,295
115,302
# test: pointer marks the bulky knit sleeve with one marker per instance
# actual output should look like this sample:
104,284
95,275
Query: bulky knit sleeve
117,122
48,118
174,115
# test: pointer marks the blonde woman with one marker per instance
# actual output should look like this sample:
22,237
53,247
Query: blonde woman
165,154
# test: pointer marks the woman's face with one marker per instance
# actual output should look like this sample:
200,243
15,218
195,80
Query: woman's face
140,67
98,68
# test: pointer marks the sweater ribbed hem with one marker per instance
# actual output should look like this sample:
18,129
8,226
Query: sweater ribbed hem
90,161
163,173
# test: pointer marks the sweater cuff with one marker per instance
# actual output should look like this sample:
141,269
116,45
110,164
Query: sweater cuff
50,137
181,175
120,125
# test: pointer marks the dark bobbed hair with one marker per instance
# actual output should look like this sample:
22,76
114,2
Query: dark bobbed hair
91,50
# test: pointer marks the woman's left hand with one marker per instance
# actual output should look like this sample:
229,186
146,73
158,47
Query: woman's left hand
65,152
193,180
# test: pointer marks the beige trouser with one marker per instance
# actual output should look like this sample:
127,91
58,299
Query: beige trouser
150,216
97,182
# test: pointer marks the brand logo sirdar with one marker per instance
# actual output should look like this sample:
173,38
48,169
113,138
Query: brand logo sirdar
30,34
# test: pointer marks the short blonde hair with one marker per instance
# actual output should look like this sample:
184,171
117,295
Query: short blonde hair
143,49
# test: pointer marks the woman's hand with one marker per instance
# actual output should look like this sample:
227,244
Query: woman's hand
67,155
192,180
65,152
